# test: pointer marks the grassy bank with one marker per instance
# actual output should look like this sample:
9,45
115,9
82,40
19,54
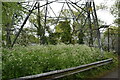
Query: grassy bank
24,61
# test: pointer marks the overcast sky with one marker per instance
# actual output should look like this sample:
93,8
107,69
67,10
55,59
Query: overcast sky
104,15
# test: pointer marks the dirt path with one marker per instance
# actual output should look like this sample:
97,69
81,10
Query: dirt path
114,74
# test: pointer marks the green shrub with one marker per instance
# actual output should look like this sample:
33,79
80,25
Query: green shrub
24,61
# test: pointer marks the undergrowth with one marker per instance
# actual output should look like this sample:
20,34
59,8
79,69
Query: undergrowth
31,60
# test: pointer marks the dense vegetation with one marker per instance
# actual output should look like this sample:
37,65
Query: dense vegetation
23,61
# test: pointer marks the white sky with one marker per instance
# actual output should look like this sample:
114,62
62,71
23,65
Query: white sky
105,15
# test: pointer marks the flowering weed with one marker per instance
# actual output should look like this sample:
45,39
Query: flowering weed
24,61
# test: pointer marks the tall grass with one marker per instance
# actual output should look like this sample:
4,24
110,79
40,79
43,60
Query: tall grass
24,61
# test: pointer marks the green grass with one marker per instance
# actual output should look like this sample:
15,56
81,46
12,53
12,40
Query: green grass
24,61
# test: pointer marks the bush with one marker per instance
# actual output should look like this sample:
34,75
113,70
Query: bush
24,61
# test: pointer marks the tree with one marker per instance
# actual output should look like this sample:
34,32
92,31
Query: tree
34,19
76,24
37,19
112,35
27,37
80,37
53,38
64,31
115,10
11,15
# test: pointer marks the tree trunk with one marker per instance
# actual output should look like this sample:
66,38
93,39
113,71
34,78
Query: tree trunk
8,38
118,28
